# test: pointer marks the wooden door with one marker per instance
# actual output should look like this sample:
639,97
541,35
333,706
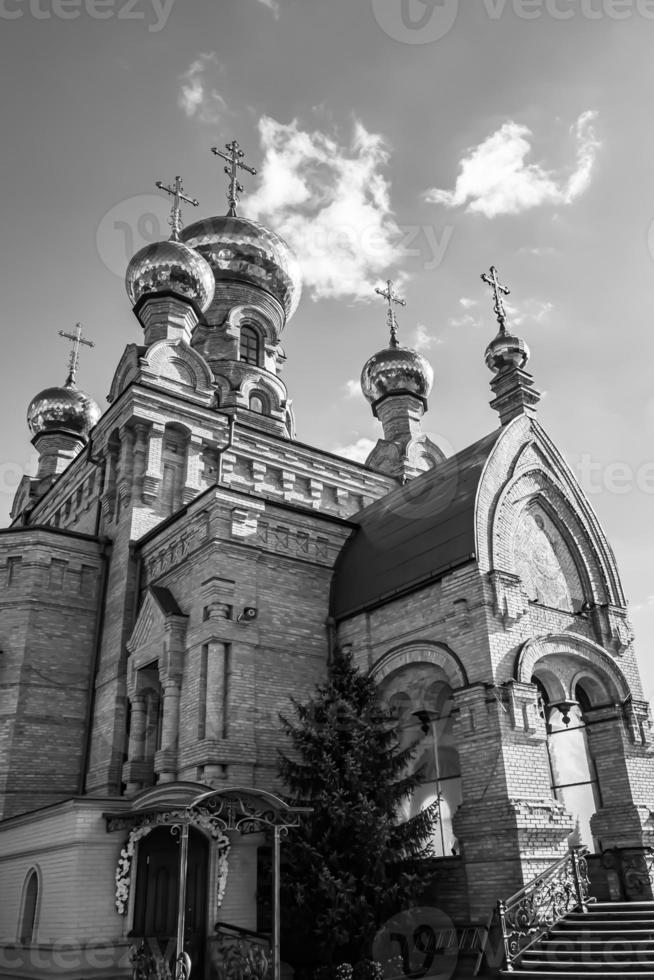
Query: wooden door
157,891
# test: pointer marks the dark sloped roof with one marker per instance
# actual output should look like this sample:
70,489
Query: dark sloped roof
412,535
166,600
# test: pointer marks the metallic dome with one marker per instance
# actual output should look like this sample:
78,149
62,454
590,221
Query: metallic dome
236,248
170,266
506,351
396,369
66,408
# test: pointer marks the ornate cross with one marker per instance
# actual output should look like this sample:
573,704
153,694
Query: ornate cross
77,340
497,287
391,297
234,158
178,195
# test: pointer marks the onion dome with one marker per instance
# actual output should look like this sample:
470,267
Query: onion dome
396,370
506,351
170,266
243,250
65,409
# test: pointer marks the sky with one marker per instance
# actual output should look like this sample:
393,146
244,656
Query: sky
421,140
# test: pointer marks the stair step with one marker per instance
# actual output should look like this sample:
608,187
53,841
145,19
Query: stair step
625,913
544,974
627,966
598,956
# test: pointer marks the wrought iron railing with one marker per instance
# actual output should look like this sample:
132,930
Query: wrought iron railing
151,962
236,953
526,916
637,871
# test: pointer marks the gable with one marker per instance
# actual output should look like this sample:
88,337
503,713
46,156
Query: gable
533,521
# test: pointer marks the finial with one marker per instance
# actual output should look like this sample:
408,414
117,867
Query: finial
178,195
391,297
497,287
234,158
76,340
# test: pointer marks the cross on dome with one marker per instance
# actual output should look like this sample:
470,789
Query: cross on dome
234,158
77,340
391,298
178,195
497,287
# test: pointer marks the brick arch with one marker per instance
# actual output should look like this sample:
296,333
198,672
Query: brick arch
523,465
595,661
413,654
538,486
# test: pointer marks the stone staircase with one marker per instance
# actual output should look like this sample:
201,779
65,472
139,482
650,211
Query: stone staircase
611,939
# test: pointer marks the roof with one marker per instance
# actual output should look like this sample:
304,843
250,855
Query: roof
413,535
166,600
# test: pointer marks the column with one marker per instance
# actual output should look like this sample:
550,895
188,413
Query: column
134,769
165,761
509,826
192,478
152,477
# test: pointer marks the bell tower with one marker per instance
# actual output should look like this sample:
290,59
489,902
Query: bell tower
397,382
258,287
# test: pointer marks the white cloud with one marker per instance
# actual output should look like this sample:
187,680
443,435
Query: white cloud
196,96
466,303
466,320
331,203
353,388
423,340
527,311
495,179
358,451
271,5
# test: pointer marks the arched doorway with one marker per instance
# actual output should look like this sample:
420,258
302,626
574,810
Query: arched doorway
572,767
157,890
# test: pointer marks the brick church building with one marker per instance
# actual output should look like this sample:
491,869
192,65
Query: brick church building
180,565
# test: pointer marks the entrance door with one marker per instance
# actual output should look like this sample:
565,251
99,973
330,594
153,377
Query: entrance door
157,890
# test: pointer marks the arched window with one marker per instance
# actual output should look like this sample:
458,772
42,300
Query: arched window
257,404
429,724
249,346
572,768
27,925
173,466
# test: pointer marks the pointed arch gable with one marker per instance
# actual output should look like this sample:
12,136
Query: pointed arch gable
524,466
592,658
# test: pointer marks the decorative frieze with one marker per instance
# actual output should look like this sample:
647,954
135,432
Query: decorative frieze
177,549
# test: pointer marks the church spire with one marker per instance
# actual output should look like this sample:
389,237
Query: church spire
178,195
234,158
506,356
76,340
392,299
397,381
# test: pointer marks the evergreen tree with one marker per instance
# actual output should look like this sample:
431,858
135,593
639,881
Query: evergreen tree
351,865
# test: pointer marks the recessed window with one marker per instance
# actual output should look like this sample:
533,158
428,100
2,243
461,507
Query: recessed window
249,347
256,404
30,902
